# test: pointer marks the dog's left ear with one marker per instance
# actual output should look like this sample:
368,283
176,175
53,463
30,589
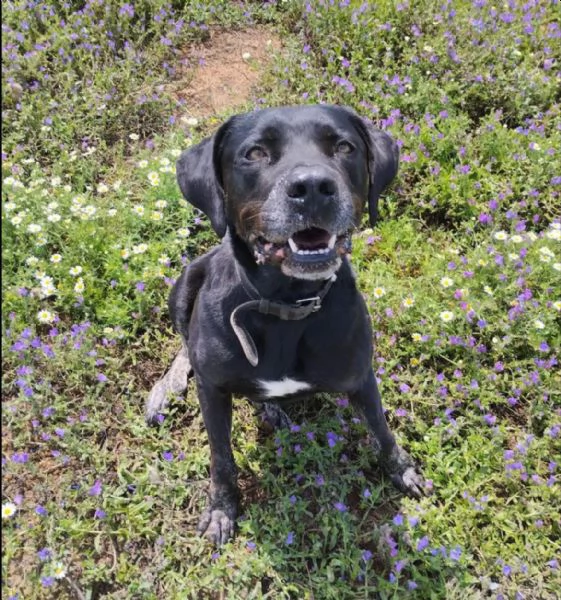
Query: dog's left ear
199,177
383,163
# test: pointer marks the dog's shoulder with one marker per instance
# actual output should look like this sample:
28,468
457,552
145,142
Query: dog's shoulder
202,272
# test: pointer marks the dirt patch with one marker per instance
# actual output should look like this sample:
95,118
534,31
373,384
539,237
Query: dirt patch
221,73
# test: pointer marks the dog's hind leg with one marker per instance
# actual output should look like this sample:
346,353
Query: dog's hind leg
174,382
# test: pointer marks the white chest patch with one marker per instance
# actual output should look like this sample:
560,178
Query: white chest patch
283,387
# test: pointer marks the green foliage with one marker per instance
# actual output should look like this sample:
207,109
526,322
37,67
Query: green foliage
461,277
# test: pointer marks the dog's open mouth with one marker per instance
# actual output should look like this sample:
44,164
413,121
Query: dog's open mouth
307,251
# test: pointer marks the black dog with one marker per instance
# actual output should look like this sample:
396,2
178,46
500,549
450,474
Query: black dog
274,312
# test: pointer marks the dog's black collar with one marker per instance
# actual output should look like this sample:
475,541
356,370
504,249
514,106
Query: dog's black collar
296,311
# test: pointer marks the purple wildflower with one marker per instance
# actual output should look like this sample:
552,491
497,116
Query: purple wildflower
422,543
96,488
44,554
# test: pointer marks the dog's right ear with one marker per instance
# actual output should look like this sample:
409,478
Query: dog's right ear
199,178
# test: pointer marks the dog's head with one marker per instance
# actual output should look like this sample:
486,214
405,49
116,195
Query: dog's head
291,183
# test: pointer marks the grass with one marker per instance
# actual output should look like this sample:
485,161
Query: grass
461,276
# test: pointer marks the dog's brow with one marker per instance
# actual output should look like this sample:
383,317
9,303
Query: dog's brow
271,132
326,131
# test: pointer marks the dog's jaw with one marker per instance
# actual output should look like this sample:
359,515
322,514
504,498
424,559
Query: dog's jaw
310,254
320,274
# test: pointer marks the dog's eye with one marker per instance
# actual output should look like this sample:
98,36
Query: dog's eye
256,153
344,147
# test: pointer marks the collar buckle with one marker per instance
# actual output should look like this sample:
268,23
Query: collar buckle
314,303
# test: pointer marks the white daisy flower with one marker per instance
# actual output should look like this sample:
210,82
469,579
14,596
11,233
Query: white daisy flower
45,280
154,178
546,252
46,316
447,316
140,249
8,510
47,290
59,570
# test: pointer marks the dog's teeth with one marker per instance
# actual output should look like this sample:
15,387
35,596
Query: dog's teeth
331,243
292,245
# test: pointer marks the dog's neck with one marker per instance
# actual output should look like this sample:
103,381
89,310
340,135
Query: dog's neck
268,280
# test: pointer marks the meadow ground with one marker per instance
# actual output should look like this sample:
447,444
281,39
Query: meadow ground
462,276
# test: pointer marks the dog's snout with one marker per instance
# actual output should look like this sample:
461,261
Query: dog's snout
310,183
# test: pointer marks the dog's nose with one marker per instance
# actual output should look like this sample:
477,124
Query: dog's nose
310,183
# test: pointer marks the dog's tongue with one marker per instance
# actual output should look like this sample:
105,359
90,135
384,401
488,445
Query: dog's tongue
311,239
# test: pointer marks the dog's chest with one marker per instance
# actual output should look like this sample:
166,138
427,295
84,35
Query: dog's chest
286,386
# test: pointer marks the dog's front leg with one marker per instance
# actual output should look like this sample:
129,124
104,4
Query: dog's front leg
218,520
393,459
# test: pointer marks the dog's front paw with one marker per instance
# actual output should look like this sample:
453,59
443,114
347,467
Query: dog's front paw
217,525
404,473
